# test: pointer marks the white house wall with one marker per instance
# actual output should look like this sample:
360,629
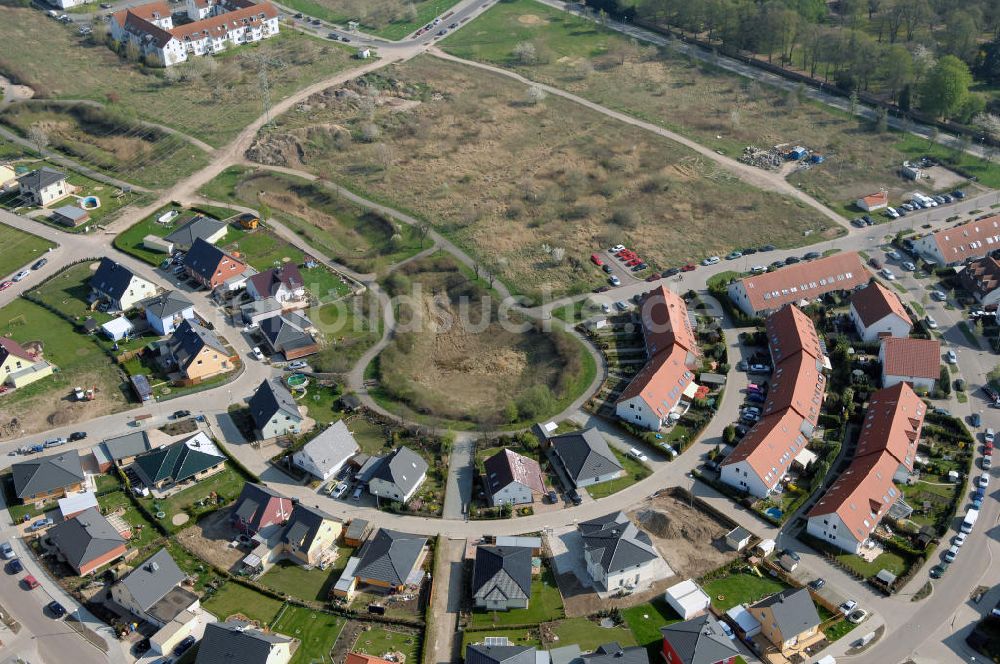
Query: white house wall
514,493
742,476
891,325
834,532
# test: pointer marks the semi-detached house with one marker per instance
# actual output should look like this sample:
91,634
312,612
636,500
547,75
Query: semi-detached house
759,462
852,507
672,354
913,361
956,244
982,279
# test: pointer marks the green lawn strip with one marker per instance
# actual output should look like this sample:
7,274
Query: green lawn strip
370,437
317,631
287,577
887,560
233,598
143,531
226,484
19,249
969,335
264,250
634,471
320,401
588,634
740,588
545,604
130,240
838,630
381,640
645,621
517,637
348,333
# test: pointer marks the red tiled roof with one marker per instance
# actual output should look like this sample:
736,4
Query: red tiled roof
892,424
790,331
797,384
982,276
770,445
218,26
879,198
11,347
874,302
665,321
862,494
809,279
362,658
661,381
138,21
920,358
973,238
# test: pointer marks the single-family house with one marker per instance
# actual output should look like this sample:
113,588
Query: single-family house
697,641
613,653
153,592
362,658
878,312
672,352
490,653
982,279
289,334
122,450
501,578
209,266
326,454
119,286
168,310
260,510
398,475
89,541
46,478
274,411
198,228
872,202
283,283
788,619
196,352
956,244
390,560
914,361
687,599
43,186
762,294
619,556
237,641
512,479
585,457
254,312
189,460
70,215
309,535
18,367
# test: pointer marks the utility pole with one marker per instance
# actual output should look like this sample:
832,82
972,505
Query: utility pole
264,84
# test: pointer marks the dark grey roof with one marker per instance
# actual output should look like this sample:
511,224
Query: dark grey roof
304,525
167,304
129,445
502,573
476,653
389,556
699,641
402,467
271,398
612,653
203,258
178,461
269,282
616,543
198,228
171,605
236,642
40,178
153,579
48,473
71,212
284,334
793,610
112,279
331,447
585,454
188,339
251,506
85,538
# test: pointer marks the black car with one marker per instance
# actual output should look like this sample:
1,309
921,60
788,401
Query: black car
316,21
14,567
575,497
959,194
868,219
39,264
553,497
812,255
938,570
183,646
792,260
178,414
56,609
299,15
778,263
669,272
453,26
77,435
345,39
748,251
767,247
816,584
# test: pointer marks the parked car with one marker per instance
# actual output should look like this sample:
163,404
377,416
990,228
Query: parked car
56,609
959,539
996,609
553,496
908,266
77,435
621,305
341,490
6,551
711,260
758,269
767,247
759,369
689,267
255,351
974,419
297,364
959,194
816,584
615,249
357,494
792,260
574,497
54,442
888,274
939,296
39,264
857,616
614,281
44,522
183,646
930,322
812,255
951,554
178,414
951,357
6,284
31,582
727,630
637,455
670,272
21,275
15,567
847,607
989,436
756,397
733,255
938,570
983,481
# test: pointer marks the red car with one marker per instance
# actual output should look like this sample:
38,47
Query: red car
988,449
596,260
31,582
5,285
688,268
653,277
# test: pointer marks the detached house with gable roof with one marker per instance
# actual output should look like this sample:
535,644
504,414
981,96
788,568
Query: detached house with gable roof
398,475
238,642
289,334
283,283
309,535
274,411
18,367
390,560
512,479
324,456
89,541
196,352
198,228
585,457
913,361
260,510
501,578
119,286
618,555
43,186
211,267
788,619
878,312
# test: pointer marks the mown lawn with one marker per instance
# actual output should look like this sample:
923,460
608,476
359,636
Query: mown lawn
233,598
887,560
645,621
588,634
634,471
740,588
130,240
226,485
380,640
143,531
296,581
19,249
545,604
518,637
316,630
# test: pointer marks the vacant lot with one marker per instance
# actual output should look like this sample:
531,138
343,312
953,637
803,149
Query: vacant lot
531,189
380,641
109,142
714,107
452,358
317,632
19,249
392,19
213,100
234,599
48,403
360,239
351,326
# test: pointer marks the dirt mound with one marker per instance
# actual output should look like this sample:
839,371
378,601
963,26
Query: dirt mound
663,525
531,19
276,150
59,418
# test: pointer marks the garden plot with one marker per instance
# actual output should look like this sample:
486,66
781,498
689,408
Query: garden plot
530,187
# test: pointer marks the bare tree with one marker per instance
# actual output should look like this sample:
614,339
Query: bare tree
383,154
536,95
132,52
424,229
38,136
558,254
370,132
526,53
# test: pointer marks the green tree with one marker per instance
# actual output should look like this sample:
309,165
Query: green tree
944,381
897,69
945,90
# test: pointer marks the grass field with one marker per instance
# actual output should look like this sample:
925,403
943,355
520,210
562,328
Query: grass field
545,604
386,18
740,588
518,637
645,621
512,181
312,585
634,471
380,640
19,249
227,484
588,634
130,240
233,598
316,630
143,531
718,109
350,330
143,155
218,99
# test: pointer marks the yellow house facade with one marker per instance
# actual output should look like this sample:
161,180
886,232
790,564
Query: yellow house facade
17,367
788,619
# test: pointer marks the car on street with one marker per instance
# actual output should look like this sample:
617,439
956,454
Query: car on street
30,582
938,570
21,275
951,554
184,645
39,264
178,414
56,609
689,267
951,357
908,266
857,616
939,296
812,255
77,435
574,497
14,567
6,284
959,539
816,584
847,607
930,322
711,260
983,481
6,551
733,255
989,436
888,274
621,305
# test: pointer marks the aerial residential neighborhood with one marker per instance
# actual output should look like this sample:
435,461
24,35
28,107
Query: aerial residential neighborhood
522,332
